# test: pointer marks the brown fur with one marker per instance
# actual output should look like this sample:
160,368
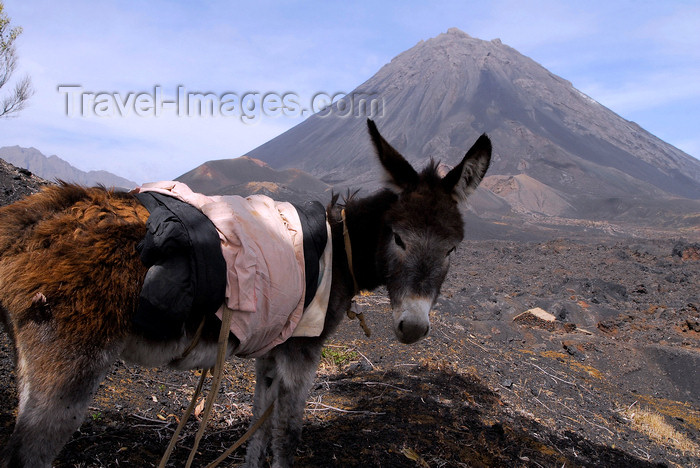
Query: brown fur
70,277
84,241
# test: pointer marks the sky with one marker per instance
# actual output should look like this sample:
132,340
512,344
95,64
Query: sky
107,74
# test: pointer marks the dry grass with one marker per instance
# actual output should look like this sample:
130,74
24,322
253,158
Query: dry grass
654,425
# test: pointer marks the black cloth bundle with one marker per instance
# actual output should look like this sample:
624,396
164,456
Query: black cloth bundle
186,269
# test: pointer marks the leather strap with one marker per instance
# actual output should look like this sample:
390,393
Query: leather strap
348,251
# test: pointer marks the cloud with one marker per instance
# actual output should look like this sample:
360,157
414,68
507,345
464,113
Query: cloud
676,32
646,91
536,23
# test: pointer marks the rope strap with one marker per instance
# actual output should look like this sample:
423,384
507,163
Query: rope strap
195,339
355,312
216,382
217,374
348,251
183,421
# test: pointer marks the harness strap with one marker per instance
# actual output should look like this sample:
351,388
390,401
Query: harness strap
354,312
195,339
348,251
211,396
183,421
216,382
217,373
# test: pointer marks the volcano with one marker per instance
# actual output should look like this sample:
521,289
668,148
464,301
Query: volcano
559,156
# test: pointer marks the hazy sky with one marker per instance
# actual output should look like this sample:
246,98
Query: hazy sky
639,58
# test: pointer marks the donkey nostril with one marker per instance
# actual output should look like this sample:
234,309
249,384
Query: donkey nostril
401,326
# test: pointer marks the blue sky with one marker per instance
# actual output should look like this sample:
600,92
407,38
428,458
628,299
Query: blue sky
639,58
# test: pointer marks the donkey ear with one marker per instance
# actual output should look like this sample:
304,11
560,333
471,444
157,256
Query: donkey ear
465,177
399,171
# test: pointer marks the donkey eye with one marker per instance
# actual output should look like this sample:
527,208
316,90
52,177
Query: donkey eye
399,242
450,251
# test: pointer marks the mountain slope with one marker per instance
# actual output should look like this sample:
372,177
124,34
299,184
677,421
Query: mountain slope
245,176
55,168
438,96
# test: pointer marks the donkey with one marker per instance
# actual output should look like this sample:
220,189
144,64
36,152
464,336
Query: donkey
70,278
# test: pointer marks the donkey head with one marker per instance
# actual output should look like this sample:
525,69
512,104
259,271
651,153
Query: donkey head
421,230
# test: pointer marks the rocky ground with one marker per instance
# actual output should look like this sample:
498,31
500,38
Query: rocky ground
16,183
611,381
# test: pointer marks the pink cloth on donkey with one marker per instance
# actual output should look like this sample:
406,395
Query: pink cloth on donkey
262,243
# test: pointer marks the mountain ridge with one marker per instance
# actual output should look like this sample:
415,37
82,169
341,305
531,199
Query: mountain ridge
54,168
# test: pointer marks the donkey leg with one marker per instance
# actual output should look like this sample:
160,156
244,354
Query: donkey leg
55,384
296,365
265,393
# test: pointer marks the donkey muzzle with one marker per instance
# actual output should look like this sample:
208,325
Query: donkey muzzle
412,319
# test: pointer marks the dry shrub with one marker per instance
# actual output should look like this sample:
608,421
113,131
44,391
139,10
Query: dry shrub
335,357
654,425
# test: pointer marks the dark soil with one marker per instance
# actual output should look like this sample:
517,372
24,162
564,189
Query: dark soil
482,390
